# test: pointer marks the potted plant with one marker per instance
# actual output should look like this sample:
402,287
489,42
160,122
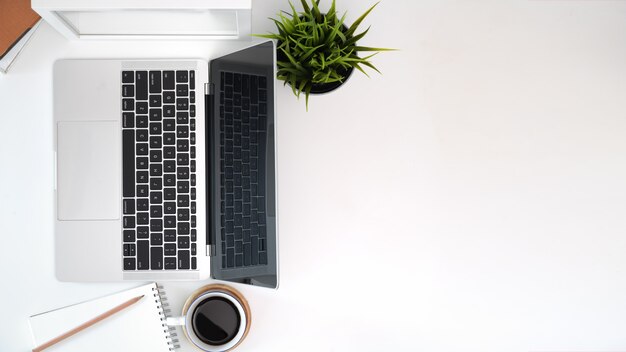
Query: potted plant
316,51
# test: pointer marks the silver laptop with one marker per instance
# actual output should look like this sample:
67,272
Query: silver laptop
165,170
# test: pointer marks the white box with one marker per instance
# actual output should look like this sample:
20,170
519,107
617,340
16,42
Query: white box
147,19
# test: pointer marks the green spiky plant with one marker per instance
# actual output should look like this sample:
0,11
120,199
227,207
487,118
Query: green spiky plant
316,49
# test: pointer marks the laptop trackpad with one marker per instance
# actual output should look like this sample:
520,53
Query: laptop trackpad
88,170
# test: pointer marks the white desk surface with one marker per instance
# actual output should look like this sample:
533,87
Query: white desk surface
472,198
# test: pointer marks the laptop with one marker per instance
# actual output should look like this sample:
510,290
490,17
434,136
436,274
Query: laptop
166,169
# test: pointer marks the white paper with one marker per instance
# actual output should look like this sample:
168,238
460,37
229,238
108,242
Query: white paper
136,328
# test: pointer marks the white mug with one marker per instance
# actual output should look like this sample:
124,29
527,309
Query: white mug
224,298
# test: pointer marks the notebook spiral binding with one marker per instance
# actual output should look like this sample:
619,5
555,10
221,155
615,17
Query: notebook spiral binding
169,331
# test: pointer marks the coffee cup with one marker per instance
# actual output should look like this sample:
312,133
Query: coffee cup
215,318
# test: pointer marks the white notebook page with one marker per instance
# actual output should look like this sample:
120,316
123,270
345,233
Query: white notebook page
137,328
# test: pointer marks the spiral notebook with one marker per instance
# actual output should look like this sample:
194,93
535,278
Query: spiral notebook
140,327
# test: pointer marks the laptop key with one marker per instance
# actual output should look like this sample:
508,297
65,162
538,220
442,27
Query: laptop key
182,76
156,156
183,228
182,103
169,97
155,128
156,197
128,163
156,239
170,236
128,104
143,254
169,138
183,259
237,82
168,80
128,76
129,222
246,254
142,148
169,111
155,82
263,258
182,145
169,193
156,225
156,211
143,231
230,257
129,263
192,79
182,118
170,263
170,248
193,263
141,85
183,173
183,201
141,121
183,186
169,208
169,166
182,90
128,90
183,214
142,204
142,191
142,135
156,114
156,169
129,235
128,120
169,125
182,131
129,206
170,223
169,152
182,158
183,242
156,258
254,251
143,218
169,180
155,142
141,107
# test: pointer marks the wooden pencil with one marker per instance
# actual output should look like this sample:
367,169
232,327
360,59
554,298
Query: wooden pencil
87,324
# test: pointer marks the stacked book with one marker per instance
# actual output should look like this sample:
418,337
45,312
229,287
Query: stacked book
17,24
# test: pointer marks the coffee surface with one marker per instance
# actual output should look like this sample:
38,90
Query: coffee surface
216,321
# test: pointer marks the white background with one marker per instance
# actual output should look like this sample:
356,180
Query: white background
472,198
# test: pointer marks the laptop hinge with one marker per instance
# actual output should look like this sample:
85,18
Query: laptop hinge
210,125
208,89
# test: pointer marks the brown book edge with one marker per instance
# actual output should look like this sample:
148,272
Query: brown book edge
19,38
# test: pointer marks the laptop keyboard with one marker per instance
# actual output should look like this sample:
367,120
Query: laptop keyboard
243,120
159,176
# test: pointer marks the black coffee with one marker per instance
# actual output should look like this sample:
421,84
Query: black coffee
216,321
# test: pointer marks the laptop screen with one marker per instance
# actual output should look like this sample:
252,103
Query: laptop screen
243,164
